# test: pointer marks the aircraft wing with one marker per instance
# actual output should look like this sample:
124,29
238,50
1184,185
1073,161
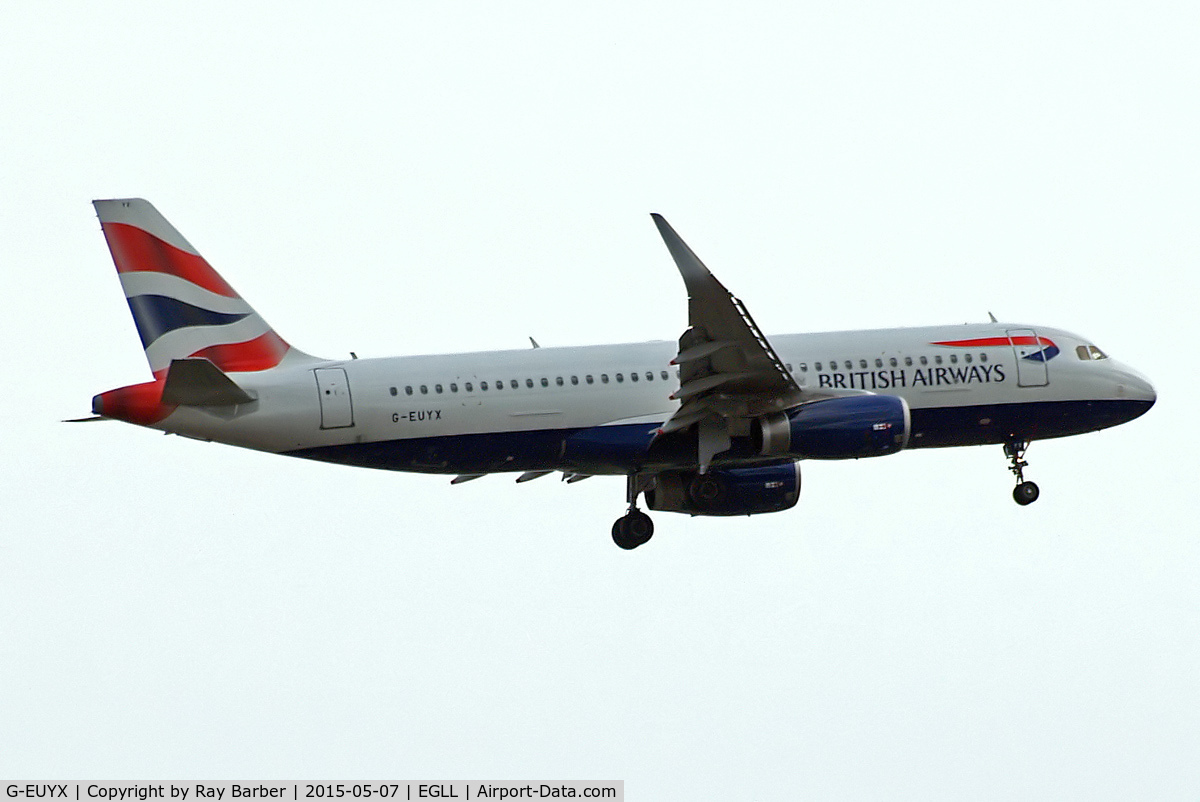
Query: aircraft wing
728,371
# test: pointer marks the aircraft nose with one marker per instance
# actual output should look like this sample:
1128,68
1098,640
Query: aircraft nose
1136,387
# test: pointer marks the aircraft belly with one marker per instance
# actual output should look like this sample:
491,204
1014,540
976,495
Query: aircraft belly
986,424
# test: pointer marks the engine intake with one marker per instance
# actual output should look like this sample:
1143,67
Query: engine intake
837,428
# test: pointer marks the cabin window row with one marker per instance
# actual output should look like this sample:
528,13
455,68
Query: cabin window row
515,384
894,362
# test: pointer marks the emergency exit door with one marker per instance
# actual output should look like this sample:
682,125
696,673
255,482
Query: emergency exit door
333,389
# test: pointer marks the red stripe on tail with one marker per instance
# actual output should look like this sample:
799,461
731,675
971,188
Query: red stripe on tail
261,353
135,250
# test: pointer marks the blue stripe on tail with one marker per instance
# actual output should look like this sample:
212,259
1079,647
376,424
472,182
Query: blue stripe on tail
156,315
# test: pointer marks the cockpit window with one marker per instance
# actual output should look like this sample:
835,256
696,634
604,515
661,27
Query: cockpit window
1089,352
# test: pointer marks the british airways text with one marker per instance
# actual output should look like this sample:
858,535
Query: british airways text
918,377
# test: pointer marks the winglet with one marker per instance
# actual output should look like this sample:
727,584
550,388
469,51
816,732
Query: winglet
690,267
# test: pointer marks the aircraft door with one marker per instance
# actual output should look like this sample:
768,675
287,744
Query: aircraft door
333,389
1031,358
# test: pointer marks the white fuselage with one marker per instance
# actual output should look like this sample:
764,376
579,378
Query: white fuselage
405,401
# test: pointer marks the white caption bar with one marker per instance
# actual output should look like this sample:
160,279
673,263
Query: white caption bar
111,791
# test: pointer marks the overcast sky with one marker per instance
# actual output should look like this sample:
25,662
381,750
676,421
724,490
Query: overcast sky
423,178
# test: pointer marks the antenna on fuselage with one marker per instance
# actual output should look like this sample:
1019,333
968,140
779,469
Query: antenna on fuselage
993,317
534,343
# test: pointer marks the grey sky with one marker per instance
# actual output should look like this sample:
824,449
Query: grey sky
446,177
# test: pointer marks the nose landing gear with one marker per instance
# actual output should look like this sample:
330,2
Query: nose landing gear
1025,492
634,528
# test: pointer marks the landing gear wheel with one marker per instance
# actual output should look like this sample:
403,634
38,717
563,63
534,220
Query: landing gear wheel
1026,493
632,529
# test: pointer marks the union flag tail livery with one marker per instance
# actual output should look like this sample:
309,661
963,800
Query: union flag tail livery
716,426
181,306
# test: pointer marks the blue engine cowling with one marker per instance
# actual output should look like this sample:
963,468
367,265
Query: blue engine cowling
837,428
727,491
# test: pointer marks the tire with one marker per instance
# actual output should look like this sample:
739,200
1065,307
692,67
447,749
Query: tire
1026,493
639,526
621,535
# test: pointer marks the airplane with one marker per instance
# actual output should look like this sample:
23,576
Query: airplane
715,424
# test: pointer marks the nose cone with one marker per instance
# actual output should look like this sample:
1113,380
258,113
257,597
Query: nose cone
1136,387
1136,391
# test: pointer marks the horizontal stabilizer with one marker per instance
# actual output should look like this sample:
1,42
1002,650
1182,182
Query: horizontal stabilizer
199,383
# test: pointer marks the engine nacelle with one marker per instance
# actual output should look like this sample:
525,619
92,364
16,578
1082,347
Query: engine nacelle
837,428
727,491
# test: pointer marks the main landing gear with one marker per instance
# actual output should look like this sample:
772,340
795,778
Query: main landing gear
1025,492
634,527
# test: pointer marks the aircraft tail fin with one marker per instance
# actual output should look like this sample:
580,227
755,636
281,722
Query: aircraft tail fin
181,306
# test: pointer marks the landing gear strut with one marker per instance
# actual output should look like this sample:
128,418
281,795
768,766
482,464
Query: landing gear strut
634,527
1025,492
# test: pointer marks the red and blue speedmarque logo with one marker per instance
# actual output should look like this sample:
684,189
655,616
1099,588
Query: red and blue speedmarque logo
1047,350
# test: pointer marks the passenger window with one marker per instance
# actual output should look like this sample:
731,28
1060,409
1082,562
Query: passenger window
908,361
633,376
393,390
514,384
469,388
590,380
529,382
818,366
483,386
649,375
408,390
500,384
574,380
967,357
437,388
545,382
954,359
862,364
604,378
559,381
878,363
983,357
893,362
424,390
938,359
924,361
789,367
850,365
804,367
620,377
664,375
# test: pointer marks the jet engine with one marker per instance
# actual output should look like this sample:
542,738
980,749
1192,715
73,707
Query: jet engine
727,491
836,428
